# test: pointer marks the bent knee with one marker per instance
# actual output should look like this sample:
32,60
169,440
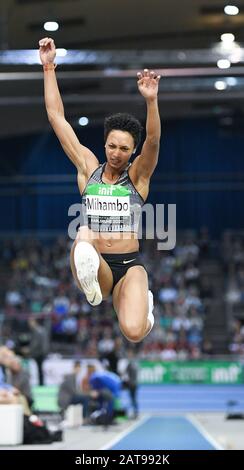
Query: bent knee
133,331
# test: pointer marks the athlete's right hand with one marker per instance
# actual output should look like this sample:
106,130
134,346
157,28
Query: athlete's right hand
47,51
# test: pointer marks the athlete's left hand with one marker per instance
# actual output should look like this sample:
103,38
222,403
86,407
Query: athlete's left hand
147,83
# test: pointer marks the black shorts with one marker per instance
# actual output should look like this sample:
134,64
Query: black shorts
120,263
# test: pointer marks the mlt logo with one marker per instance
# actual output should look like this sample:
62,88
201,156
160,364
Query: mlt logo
106,190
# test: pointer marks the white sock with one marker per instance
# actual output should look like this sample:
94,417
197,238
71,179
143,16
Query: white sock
150,309
87,248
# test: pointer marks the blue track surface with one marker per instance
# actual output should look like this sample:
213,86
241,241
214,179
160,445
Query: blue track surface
187,398
177,432
164,433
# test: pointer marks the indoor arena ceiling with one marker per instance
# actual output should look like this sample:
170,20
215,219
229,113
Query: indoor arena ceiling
107,42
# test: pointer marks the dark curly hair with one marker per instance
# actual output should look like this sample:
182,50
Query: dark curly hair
123,122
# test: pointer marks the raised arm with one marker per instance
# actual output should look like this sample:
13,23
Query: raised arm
146,162
84,160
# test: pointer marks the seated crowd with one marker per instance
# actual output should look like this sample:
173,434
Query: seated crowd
40,285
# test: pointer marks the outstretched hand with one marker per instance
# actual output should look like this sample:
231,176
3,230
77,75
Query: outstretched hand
148,83
47,50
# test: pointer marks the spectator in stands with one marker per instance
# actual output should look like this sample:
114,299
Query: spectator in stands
107,385
19,378
207,347
45,281
9,394
115,354
39,346
130,379
74,390
5,357
106,344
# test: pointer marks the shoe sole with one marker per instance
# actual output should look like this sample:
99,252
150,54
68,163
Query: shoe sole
87,276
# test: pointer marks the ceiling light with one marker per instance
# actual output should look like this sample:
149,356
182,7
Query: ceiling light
61,52
83,121
231,10
220,85
51,26
227,37
223,64
231,81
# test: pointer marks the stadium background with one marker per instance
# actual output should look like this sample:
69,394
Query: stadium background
201,170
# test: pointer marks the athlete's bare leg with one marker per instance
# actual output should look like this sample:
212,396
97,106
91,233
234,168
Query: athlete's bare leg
130,299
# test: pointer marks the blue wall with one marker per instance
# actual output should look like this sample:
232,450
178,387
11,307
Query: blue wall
199,170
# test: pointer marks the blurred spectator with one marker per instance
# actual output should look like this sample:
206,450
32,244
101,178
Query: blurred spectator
39,346
40,284
108,387
19,378
204,242
8,393
73,390
130,380
207,347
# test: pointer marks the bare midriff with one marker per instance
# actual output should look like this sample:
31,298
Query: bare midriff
117,242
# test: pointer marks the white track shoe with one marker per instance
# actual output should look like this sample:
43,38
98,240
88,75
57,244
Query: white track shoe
150,309
87,263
